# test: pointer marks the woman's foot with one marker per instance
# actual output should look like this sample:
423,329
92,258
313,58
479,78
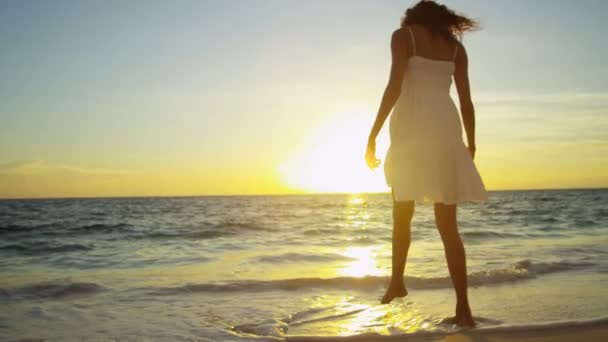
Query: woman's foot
466,321
394,291
463,318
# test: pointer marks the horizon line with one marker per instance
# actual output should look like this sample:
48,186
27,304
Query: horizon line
272,194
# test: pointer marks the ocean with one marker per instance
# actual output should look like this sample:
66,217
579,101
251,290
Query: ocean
240,268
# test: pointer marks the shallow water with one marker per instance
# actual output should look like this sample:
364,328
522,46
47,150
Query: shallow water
240,268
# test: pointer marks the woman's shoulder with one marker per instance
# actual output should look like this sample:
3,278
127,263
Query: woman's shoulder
400,33
406,29
399,38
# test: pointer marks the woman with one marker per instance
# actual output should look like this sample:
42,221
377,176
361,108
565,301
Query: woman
427,158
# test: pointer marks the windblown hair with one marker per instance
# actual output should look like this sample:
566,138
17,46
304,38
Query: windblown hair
439,19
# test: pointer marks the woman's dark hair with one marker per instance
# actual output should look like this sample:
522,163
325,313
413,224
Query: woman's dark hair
439,19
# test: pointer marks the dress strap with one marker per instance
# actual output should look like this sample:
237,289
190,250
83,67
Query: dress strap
413,41
455,53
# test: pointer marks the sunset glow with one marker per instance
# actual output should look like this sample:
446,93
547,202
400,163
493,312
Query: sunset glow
331,159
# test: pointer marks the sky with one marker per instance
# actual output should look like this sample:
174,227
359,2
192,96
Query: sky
158,98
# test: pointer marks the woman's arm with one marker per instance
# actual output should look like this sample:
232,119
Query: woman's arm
467,110
391,93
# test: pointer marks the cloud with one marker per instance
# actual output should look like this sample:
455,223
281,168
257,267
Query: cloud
34,167
41,178
562,98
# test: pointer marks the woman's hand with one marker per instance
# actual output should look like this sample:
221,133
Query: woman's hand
370,155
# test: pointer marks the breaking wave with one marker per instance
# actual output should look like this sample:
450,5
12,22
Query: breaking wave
522,270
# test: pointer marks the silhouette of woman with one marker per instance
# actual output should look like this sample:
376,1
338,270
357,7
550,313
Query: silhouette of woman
427,158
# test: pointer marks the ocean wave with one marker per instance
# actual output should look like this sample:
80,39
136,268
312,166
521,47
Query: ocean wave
362,240
330,205
102,227
319,231
485,234
61,229
55,289
205,234
42,248
204,230
270,328
587,222
7,229
548,219
239,226
522,270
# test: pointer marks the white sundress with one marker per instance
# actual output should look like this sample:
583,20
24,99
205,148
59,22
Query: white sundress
427,158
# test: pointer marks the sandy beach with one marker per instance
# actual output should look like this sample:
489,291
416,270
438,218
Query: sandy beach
595,330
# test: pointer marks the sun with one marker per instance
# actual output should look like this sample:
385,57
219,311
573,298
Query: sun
331,159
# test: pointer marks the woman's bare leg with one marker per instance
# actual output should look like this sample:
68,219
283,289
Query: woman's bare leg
402,218
445,219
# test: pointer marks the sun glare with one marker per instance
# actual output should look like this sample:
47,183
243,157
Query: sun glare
331,160
363,264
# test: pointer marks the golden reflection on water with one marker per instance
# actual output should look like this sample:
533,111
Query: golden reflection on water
354,316
368,319
364,262
364,259
382,319
356,200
